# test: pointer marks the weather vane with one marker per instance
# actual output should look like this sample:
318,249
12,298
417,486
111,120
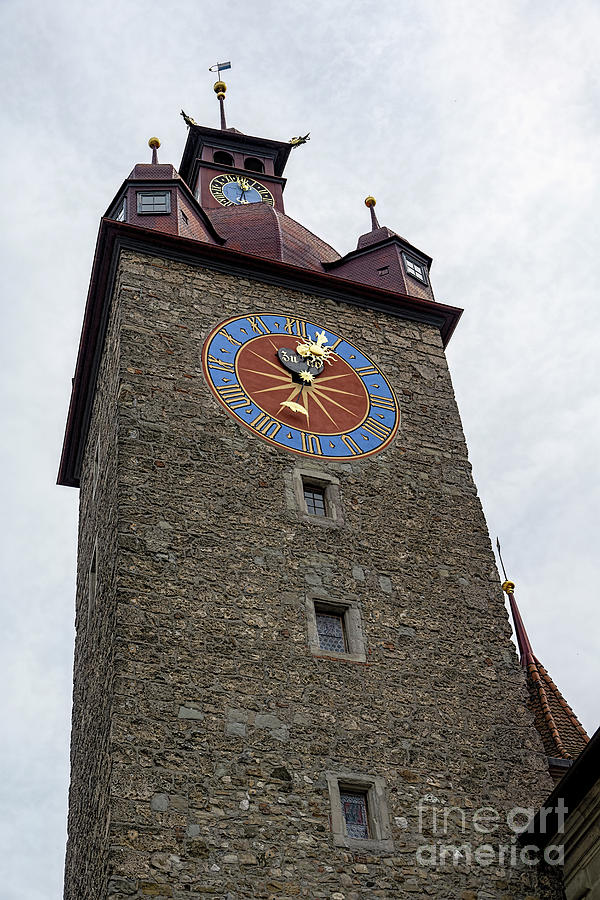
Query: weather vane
219,88
219,67
500,558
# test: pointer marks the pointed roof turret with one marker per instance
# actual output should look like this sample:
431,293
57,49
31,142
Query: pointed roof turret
383,259
563,735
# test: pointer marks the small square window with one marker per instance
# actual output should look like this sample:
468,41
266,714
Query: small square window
152,202
415,269
335,628
359,812
314,497
354,811
330,629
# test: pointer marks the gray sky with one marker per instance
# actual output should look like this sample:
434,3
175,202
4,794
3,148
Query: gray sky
475,126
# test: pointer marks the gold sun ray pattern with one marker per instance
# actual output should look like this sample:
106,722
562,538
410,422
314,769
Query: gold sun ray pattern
331,400
313,396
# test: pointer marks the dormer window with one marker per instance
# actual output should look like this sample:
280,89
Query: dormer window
252,164
153,202
414,268
223,158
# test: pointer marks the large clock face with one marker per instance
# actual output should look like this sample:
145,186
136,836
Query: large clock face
300,386
237,190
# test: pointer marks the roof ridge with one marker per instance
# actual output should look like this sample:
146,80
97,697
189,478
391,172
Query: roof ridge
279,214
561,700
279,231
546,711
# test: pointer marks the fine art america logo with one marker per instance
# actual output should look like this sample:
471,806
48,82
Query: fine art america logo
444,829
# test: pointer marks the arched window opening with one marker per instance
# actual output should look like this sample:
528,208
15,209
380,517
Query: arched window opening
223,158
253,164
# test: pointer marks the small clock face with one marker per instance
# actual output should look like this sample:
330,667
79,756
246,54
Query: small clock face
237,190
300,386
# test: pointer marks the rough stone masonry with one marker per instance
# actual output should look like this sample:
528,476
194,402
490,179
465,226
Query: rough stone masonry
206,730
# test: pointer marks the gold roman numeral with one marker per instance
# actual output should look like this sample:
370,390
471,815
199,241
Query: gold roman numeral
376,429
234,396
367,370
257,325
224,333
381,402
267,426
215,363
311,444
351,444
295,326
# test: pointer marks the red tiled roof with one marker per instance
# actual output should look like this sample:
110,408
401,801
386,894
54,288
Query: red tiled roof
154,171
562,733
260,229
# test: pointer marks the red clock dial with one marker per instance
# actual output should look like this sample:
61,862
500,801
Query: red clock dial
300,386
335,402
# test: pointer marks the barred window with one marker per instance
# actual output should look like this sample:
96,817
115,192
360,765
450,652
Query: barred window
314,497
354,809
153,202
330,629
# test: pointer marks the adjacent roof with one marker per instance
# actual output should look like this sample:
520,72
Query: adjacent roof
562,733
577,783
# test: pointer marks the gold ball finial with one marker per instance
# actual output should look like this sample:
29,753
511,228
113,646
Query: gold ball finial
508,587
370,201
154,143
219,88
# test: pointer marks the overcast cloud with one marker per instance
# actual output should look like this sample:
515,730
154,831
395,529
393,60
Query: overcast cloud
475,126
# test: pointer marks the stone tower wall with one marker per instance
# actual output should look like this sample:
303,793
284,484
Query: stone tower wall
224,726
89,795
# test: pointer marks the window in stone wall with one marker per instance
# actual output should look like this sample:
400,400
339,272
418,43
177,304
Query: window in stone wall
354,811
314,497
359,812
335,628
330,629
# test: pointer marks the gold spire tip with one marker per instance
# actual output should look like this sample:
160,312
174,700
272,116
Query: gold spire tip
154,143
508,587
219,87
370,201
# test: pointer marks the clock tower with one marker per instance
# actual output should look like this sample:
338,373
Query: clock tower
293,667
